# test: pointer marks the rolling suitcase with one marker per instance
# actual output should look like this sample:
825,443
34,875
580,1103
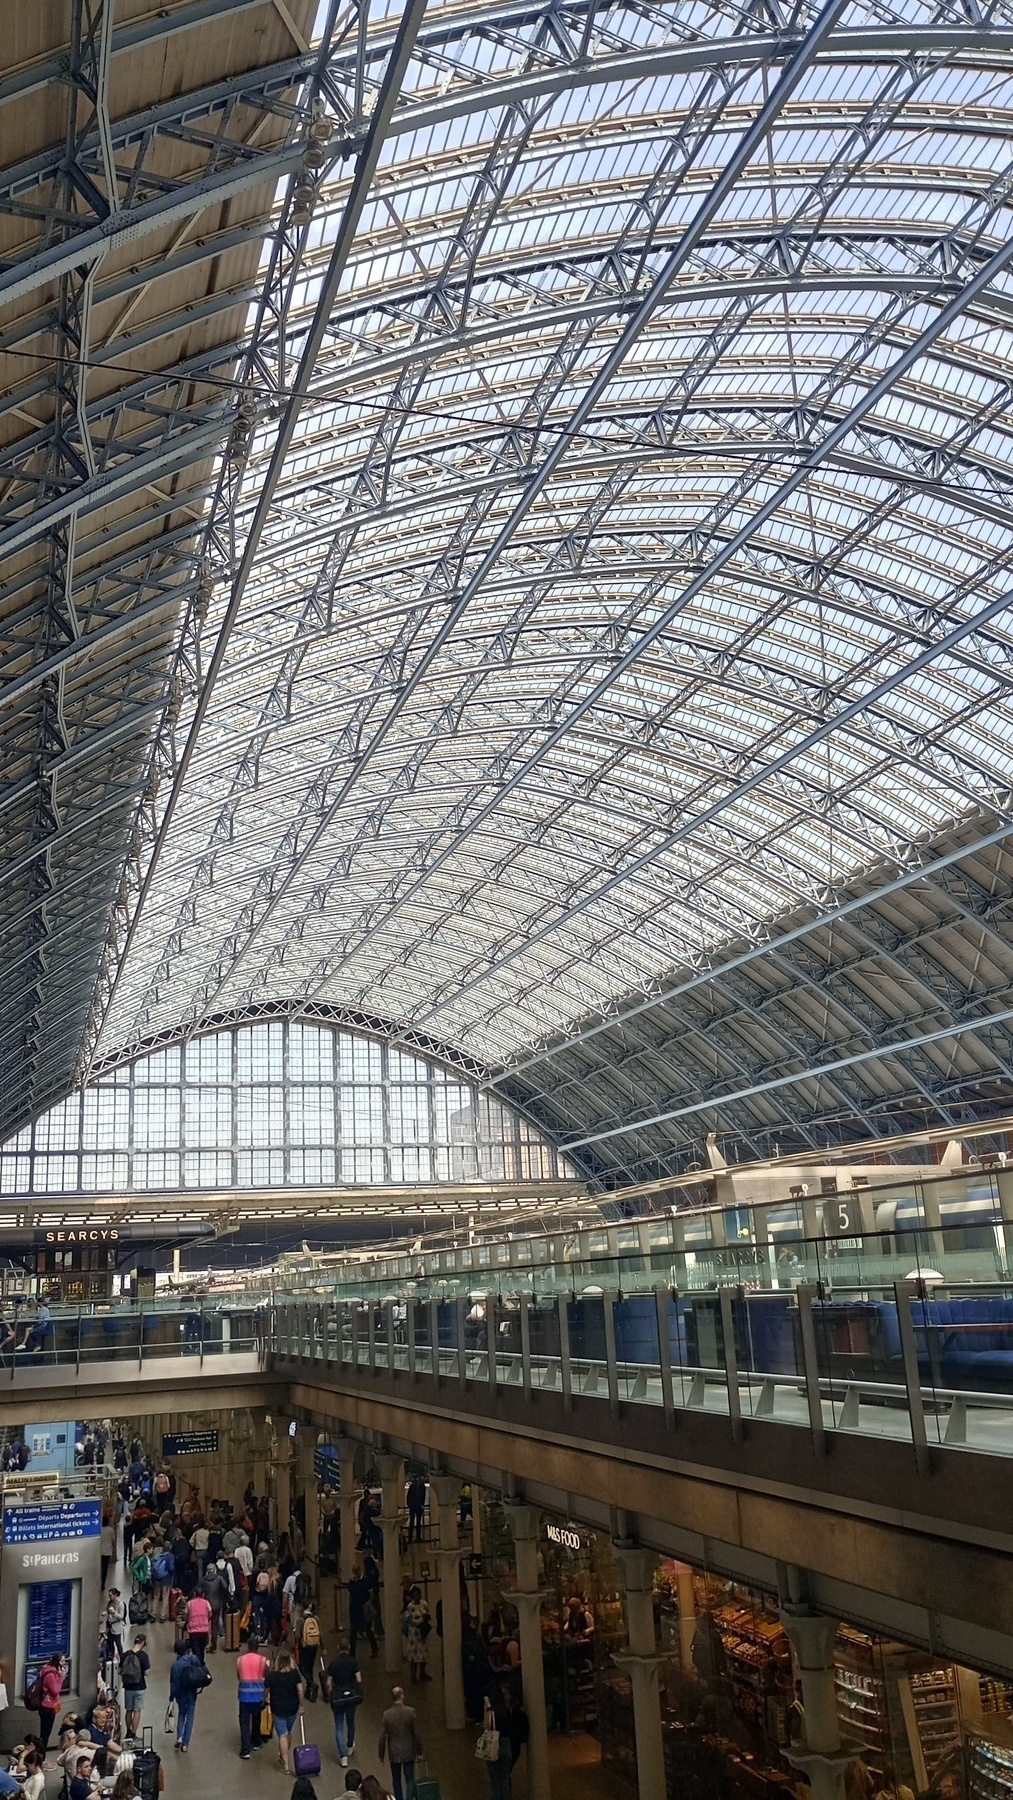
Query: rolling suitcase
232,1631
426,1786
147,1764
305,1757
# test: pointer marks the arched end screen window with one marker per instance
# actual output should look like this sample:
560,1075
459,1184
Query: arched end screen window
276,1104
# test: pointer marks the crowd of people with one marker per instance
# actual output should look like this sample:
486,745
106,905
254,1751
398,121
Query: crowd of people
222,1580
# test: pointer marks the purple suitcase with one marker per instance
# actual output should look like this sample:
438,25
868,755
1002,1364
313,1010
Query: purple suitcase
305,1757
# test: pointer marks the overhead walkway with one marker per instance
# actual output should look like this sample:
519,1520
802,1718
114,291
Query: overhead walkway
859,1428
119,1358
755,1392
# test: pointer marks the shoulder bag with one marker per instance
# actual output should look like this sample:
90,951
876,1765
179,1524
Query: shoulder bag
487,1748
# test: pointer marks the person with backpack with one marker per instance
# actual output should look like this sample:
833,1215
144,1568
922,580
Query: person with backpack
265,1617
134,1666
183,1562
140,1573
309,1648
199,1545
188,1677
45,1696
238,1602
252,1669
296,1591
162,1568
216,1591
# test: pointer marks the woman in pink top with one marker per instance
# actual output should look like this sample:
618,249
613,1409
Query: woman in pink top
51,1678
198,1624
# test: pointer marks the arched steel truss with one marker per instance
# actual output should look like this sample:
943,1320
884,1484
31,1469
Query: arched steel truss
887,1009
636,574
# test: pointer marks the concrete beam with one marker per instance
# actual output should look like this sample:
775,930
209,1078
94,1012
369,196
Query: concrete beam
885,1559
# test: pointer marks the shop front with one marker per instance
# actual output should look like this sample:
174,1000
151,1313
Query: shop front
730,1690
732,1708
913,1727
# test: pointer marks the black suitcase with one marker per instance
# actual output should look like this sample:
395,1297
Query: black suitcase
147,1763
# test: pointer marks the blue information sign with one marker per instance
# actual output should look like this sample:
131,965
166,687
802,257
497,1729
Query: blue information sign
38,1523
190,1443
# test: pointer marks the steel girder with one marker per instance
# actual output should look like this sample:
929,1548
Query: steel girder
202,121
322,1014
93,583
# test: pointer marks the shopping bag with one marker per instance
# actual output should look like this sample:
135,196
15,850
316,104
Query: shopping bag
305,1757
487,1748
169,1719
266,1720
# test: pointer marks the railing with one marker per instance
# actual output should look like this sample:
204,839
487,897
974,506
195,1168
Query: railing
763,1247
908,1368
93,1335
924,1366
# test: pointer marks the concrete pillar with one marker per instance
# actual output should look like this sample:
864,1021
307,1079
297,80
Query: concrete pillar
234,1432
476,1544
260,1455
686,1596
524,1522
447,1488
311,1492
641,1663
282,1478
392,1488
819,1756
348,1503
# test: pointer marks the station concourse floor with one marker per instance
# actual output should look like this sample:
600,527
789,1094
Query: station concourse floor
212,1767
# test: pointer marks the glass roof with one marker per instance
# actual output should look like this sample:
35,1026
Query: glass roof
745,639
